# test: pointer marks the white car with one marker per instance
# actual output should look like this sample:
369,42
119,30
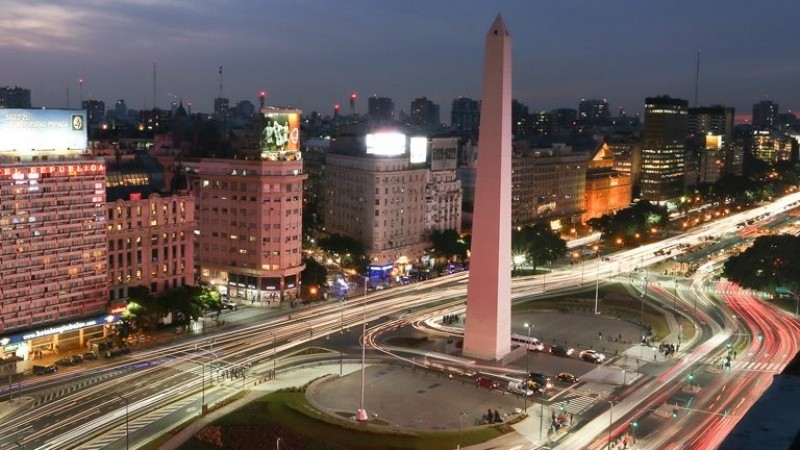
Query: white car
593,356
518,387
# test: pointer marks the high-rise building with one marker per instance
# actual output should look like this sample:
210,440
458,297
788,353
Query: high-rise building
765,115
121,110
221,107
425,114
594,112
464,114
95,111
53,243
607,190
443,191
771,146
375,193
723,157
380,108
663,148
15,97
487,330
542,124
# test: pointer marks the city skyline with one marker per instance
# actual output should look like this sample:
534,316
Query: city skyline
312,55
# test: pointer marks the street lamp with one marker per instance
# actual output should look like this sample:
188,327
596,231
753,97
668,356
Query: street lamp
527,360
127,433
278,444
362,416
274,355
634,425
597,280
460,419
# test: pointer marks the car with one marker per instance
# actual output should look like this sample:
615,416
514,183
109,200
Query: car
66,361
44,370
593,356
567,377
228,304
542,379
519,387
77,359
487,382
559,350
536,387
89,356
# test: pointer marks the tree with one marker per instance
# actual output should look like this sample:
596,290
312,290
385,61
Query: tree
143,309
314,275
771,262
632,222
448,244
350,251
538,243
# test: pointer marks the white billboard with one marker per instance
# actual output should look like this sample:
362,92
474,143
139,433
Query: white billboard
36,130
418,150
386,143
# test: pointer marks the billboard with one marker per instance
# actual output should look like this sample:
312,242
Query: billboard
281,132
386,143
418,150
36,130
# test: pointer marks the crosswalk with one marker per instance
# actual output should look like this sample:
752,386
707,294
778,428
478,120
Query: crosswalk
757,366
66,390
574,404
136,424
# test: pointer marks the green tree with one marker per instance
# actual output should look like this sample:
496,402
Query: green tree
314,276
632,222
448,244
538,243
351,251
143,308
771,262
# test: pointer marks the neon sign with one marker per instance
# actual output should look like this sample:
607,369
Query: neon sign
65,170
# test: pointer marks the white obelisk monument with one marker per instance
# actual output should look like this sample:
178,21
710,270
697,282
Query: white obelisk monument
487,334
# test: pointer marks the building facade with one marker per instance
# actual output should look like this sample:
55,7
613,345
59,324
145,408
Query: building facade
150,243
664,148
765,115
771,146
443,192
607,190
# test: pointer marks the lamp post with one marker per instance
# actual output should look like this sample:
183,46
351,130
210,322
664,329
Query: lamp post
274,355
362,416
597,280
610,421
634,424
460,419
127,433
527,361
278,444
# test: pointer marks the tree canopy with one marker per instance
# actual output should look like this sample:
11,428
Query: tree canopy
771,262
636,220
538,243
351,251
449,244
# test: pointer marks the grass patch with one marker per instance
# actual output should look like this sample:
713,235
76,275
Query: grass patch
409,342
288,415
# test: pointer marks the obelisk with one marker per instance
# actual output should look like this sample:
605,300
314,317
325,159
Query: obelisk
487,334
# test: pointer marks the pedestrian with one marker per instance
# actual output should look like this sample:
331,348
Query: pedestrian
600,336
654,356
571,418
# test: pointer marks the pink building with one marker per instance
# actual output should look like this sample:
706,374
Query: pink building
150,243
249,219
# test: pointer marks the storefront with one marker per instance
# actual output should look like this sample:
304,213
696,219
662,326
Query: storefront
52,339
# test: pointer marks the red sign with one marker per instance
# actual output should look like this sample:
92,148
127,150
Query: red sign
135,196
61,170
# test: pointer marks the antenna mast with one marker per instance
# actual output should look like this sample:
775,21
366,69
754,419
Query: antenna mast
697,78
154,86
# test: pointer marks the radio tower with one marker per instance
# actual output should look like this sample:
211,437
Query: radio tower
261,97
697,78
353,104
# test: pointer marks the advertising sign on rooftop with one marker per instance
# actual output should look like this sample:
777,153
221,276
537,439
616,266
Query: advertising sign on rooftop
386,143
37,130
281,132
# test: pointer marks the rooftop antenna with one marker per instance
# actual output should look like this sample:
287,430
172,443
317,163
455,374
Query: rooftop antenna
261,97
353,97
220,81
697,78
67,107
80,91
154,86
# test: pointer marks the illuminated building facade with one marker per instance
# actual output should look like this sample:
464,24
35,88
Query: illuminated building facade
376,195
53,241
548,184
443,192
606,190
771,146
663,148
150,243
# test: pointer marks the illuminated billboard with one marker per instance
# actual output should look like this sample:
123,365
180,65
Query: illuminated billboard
714,141
281,132
386,143
37,130
418,150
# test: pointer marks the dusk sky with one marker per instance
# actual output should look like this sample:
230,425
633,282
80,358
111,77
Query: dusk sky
312,53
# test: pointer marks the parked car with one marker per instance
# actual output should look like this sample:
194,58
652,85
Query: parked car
559,350
542,379
593,356
77,359
567,377
44,370
487,382
536,387
89,356
228,304
66,361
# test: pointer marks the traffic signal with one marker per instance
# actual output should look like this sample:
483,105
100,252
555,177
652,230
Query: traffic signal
674,413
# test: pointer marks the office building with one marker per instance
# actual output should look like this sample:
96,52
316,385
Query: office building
53,244
771,146
95,111
765,115
120,111
221,107
663,148
380,108
722,157
425,114
443,192
15,97
594,112
607,190
464,114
